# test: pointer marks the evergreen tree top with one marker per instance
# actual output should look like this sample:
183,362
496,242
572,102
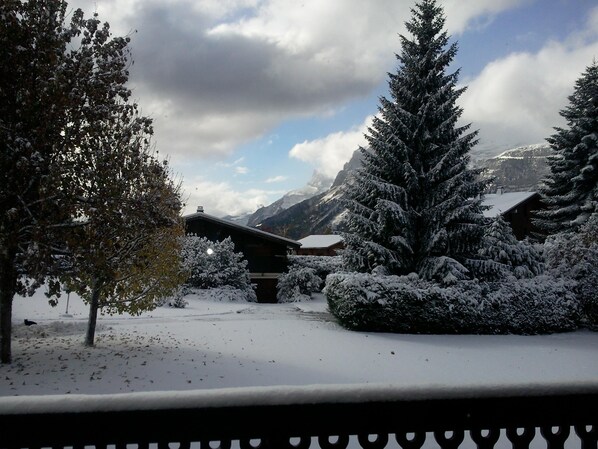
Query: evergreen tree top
427,22
428,40
585,96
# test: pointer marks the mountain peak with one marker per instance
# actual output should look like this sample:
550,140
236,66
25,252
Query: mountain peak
318,184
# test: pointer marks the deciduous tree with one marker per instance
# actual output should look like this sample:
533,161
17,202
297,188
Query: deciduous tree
57,78
125,252
63,96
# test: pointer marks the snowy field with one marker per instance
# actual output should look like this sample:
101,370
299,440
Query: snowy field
212,344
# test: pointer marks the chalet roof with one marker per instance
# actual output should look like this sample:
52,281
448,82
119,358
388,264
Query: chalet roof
501,203
320,241
232,225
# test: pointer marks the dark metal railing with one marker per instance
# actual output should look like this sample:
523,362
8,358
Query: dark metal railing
339,416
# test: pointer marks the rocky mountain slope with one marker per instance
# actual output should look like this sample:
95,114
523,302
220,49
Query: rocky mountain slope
518,169
320,214
317,185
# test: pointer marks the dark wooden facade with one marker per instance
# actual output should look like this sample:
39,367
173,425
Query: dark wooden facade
266,253
520,217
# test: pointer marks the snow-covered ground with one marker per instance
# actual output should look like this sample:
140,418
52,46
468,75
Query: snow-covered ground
212,344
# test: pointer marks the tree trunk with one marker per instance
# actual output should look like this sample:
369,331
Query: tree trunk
8,284
94,305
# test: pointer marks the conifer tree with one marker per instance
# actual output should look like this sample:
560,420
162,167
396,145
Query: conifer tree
517,257
414,206
570,190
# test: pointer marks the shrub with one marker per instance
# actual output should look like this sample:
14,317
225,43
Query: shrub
575,256
215,265
322,265
177,299
409,305
298,284
224,294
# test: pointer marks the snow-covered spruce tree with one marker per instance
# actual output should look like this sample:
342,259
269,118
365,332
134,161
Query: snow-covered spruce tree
415,206
571,187
511,256
215,265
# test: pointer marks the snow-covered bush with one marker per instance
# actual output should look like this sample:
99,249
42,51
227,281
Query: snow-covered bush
224,294
575,256
407,304
306,275
510,256
215,265
177,299
298,284
322,265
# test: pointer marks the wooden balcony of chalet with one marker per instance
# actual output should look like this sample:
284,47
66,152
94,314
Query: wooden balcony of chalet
368,416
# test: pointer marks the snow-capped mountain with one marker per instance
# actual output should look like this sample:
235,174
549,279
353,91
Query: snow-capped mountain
319,214
317,184
517,169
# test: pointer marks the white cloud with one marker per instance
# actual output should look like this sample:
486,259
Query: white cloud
221,199
240,170
218,73
274,179
516,100
330,153
466,14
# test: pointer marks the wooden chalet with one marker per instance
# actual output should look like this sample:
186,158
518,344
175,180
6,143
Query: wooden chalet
320,245
516,208
266,253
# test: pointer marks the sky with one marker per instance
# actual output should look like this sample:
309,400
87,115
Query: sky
223,351
249,97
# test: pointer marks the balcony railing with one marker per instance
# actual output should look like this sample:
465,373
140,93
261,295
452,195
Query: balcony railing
368,416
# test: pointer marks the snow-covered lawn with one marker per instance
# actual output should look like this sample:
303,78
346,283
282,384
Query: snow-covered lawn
212,344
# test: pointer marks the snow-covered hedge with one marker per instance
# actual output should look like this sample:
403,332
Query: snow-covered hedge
322,265
409,305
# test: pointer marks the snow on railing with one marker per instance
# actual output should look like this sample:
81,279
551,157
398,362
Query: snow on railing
325,416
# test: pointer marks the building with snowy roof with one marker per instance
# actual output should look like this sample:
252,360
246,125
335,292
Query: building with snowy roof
320,245
516,208
266,253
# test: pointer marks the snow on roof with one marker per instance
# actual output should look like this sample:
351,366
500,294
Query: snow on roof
501,203
231,224
320,241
